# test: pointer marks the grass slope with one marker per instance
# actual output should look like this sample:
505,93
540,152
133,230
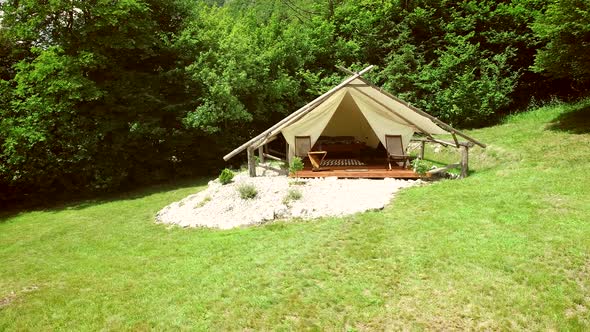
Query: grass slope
507,248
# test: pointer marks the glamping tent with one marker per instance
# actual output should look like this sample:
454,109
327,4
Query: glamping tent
363,112
359,110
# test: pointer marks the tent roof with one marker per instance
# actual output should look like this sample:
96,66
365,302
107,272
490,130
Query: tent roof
372,97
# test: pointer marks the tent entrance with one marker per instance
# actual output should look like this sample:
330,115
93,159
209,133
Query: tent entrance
348,136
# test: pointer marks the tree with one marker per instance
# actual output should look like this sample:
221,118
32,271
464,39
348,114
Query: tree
96,103
565,26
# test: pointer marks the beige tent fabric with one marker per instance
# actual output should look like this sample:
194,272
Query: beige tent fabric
421,121
314,122
358,110
349,121
382,121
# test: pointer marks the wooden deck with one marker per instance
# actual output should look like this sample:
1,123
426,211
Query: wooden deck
369,171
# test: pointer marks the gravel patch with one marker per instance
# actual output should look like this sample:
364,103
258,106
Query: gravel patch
220,206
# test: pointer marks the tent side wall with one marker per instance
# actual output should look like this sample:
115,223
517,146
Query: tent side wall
313,123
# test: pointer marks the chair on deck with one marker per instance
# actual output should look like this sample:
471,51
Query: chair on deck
303,149
395,151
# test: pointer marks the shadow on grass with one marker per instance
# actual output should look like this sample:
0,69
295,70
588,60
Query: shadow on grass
80,203
576,121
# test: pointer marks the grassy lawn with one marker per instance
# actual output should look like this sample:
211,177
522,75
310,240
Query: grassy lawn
506,248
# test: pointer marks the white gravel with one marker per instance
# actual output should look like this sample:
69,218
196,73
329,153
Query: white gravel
220,206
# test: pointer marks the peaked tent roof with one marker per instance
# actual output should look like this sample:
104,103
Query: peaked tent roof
381,109
353,106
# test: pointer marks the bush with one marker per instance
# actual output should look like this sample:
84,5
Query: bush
421,166
202,203
247,191
296,165
226,176
292,195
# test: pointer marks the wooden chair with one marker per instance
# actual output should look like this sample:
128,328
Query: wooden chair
395,151
302,146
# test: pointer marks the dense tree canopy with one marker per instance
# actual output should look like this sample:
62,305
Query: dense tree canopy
99,95
565,25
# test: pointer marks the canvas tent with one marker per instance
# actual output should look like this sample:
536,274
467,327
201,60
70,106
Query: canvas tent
361,111
356,108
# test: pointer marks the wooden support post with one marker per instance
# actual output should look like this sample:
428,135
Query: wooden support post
455,139
287,153
422,144
251,163
261,153
464,160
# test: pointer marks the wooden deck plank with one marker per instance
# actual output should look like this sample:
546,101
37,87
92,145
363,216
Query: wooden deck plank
360,172
373,170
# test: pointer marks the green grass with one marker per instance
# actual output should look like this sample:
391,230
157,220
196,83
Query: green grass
508,248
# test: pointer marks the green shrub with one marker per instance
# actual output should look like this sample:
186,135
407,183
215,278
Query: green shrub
202,203
421,166
247,191
292,195
226,176
296,165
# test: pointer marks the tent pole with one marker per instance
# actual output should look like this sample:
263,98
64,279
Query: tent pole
422,145
287,153
251,163
261,153
464,160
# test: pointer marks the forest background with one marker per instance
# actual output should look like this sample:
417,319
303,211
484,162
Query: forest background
99,96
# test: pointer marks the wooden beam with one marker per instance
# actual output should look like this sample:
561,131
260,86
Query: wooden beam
287,153
464,161
269,156
455,139
275,152
442,169
261,153
251,163
303,109
266,141
440,141
422,145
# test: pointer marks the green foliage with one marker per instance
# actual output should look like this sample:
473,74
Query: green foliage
421,166
247,191
226,176
292,195
565,26
204,202
102,96
95,97
295,165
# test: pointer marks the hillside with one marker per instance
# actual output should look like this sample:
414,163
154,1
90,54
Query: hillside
506,248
